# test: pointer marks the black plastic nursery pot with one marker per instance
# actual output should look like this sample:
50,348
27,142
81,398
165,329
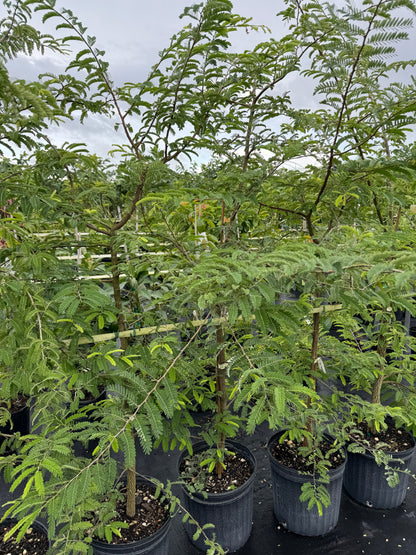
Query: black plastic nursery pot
90,401
230,512
101,397
20,422
33,547
79,449
290,511
155,544
366,482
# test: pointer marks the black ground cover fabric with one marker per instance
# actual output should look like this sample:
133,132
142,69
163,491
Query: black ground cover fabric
360,529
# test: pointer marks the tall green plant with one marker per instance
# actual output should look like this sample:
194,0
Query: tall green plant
184,86
359,130
231,235
379,356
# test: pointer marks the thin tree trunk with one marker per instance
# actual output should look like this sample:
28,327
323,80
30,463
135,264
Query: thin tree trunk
381,351
376,390
131,492
220,376
121,324
314,364
220,386
399,213
115,272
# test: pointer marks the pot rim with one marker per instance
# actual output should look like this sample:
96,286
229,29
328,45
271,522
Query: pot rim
36,525
160,532
222,496
304,476
393,454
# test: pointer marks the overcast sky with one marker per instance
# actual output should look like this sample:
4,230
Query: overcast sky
132,32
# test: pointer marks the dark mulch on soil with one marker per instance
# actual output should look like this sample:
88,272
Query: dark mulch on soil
391,440
287,453
150,516
33,542
15,404
237,471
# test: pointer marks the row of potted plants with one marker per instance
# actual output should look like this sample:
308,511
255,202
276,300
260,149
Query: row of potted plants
269,384
223,246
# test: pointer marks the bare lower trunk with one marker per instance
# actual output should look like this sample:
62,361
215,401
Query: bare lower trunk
121,324
314,364
220,386
376,390
131,493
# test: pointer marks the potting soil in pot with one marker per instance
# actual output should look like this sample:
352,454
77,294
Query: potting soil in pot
287,453
19,412
226,501
395,440
34,542
20,422
237,471
150,516
148,530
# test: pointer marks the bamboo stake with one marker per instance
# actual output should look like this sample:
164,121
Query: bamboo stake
171,327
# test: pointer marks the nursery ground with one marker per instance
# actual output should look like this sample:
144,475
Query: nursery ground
360,529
